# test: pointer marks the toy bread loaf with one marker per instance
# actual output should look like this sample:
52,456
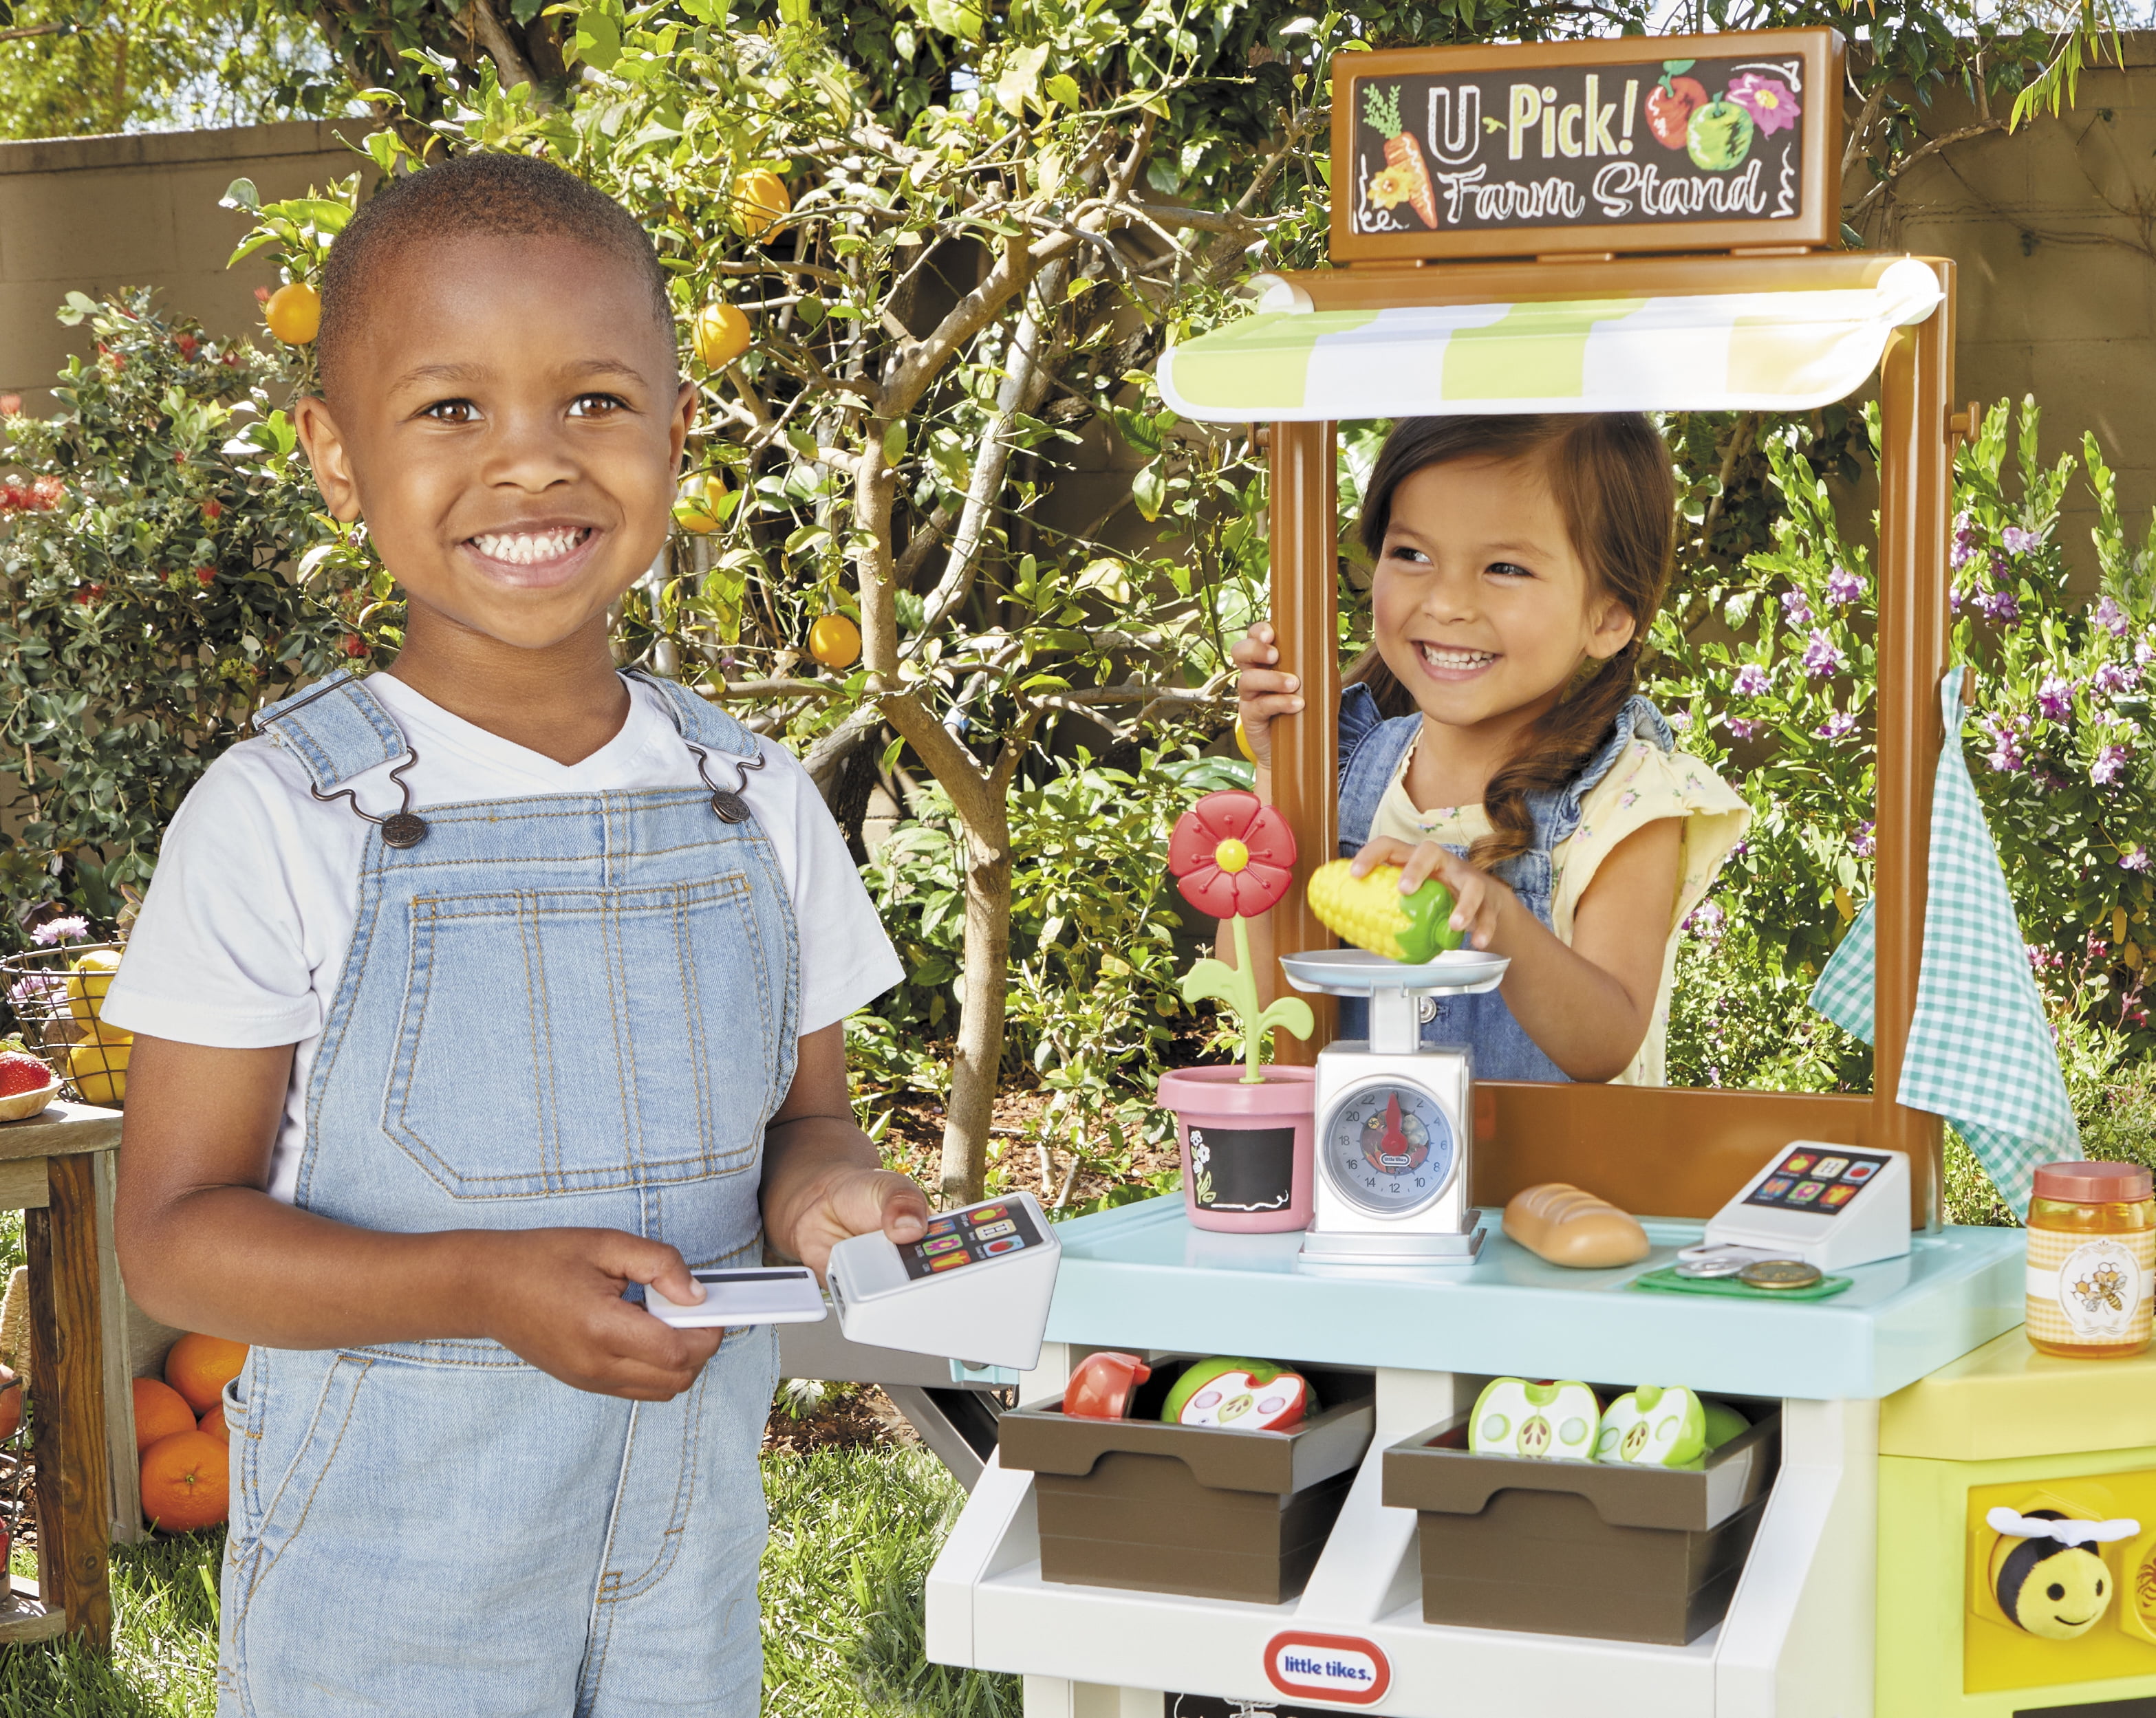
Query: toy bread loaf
1560,1223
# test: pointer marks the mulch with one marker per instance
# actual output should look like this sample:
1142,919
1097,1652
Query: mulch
851,1417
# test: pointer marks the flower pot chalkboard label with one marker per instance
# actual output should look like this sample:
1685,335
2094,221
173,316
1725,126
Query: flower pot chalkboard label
1242,1168
1612,145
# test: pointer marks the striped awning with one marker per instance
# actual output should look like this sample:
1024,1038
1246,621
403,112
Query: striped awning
1771,351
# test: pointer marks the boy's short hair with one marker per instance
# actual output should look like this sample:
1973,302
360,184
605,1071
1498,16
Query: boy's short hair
491,195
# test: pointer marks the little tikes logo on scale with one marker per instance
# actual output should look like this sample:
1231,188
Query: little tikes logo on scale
1328,1667
1719,141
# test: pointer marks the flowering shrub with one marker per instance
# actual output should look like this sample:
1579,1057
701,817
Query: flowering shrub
2059,693
147,562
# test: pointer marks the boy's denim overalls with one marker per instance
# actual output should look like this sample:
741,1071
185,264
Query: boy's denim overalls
564,1010
1371,748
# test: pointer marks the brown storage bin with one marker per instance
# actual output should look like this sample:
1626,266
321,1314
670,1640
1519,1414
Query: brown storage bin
1192,1510
1563,1548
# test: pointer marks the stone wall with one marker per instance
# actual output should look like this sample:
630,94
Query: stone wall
92,213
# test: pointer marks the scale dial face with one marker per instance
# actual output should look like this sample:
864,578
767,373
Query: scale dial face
1388,1148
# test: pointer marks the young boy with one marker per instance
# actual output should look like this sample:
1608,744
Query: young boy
476,991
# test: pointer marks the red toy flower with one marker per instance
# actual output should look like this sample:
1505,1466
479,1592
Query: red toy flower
1232,855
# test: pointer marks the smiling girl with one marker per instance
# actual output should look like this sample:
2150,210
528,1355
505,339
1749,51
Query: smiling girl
1491,735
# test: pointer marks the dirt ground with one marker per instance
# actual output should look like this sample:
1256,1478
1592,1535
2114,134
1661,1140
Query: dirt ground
915,1141
850,1417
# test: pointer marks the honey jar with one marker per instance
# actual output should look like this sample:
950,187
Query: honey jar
2091,1259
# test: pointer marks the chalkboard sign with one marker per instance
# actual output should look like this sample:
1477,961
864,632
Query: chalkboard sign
1633,144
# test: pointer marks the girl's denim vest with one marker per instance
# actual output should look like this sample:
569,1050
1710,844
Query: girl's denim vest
1371,749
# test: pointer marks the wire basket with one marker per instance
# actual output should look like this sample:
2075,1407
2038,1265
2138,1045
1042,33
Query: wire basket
56,1009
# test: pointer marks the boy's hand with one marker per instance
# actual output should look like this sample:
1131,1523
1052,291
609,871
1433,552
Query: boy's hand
846,1200
1262,692
552,1297
1481,904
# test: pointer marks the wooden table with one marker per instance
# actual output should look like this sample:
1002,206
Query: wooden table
57,1169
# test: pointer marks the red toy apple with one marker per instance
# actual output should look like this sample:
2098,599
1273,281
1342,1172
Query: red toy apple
1101,1387
1671,102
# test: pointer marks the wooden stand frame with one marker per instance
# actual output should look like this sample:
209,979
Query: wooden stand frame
1669,1150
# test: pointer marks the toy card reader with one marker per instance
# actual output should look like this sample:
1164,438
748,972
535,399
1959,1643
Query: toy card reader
1831,1206
975,1288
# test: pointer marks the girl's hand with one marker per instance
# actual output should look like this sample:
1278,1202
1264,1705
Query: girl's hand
1262,692
552,1297
1480,902
849,1200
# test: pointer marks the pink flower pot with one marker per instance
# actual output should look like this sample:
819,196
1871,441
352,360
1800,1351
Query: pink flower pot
1252,1146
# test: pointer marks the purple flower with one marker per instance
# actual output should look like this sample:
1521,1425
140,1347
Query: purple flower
2144,653
2109,766
1865,841
38,996
2005,745
1678,720
1751,681
1965,542
1796,610
1740,729
1769,100
2134,858
2001,606
1836,726
2054,697
1739,849
2116,677
2110,617
1821,658
1844,586
1705,921
72,929
2019,542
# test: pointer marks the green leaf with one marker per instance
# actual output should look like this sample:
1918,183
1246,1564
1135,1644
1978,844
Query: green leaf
599,40
240,194
894,443
1064,88
1020,78
955,17
1149,489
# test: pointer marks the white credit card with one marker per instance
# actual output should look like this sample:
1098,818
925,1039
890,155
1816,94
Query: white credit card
777,1294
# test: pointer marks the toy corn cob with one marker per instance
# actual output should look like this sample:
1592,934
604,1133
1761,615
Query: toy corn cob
1371,913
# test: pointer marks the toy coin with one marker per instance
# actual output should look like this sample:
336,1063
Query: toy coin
1779,1274
1709,1267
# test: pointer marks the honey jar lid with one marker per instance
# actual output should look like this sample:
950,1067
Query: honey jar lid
2094,1183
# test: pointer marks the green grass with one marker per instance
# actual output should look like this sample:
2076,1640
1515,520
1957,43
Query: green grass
852,1534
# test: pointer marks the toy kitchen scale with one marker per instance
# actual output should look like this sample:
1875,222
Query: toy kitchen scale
1395,1117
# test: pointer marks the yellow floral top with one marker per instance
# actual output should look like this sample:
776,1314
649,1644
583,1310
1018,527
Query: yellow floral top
1645,784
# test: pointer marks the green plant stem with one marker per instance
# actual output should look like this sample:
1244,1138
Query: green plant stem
1245,1003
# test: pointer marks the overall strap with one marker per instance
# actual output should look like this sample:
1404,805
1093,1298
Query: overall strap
1557,812
701,722
336,728
1371,748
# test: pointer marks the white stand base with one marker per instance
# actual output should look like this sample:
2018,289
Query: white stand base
1798,1642
1326,1252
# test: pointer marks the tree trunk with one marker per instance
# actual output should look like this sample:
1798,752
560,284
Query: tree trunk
986,977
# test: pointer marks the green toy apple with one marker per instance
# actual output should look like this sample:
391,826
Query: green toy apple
1653,1427
1723,1423
1718,136
1546,1422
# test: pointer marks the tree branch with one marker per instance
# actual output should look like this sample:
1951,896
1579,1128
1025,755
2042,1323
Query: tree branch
508,60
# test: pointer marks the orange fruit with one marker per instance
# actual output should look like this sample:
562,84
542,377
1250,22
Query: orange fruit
697,509
186,1481
293,313
213,1423
199,1367
760,202
721,334
160,1411
835,641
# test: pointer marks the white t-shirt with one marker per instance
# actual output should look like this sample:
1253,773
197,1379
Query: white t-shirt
243,935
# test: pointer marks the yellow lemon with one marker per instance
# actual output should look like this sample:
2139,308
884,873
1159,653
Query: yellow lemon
760,202
721,334
293,313
697,509
100,1070
90,979
835,641
1243,742
100,1032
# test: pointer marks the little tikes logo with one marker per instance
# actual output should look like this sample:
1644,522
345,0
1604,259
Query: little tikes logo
1331,1667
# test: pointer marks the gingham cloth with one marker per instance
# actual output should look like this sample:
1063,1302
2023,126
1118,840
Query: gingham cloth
1980,1051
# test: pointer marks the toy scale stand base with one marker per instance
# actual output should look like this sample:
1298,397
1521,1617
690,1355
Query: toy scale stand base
1395,1118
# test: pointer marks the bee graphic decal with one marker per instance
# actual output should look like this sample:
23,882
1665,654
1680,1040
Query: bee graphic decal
2102,1288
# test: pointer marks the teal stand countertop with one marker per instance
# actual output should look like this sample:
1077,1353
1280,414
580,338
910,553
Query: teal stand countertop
1142,1277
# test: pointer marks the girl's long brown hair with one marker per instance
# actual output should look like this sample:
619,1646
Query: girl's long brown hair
1609,475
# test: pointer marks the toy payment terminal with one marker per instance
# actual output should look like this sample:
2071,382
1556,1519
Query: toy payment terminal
1831,1206
975,1288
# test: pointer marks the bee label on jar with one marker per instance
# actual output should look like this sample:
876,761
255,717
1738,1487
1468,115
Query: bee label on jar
2085,1289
